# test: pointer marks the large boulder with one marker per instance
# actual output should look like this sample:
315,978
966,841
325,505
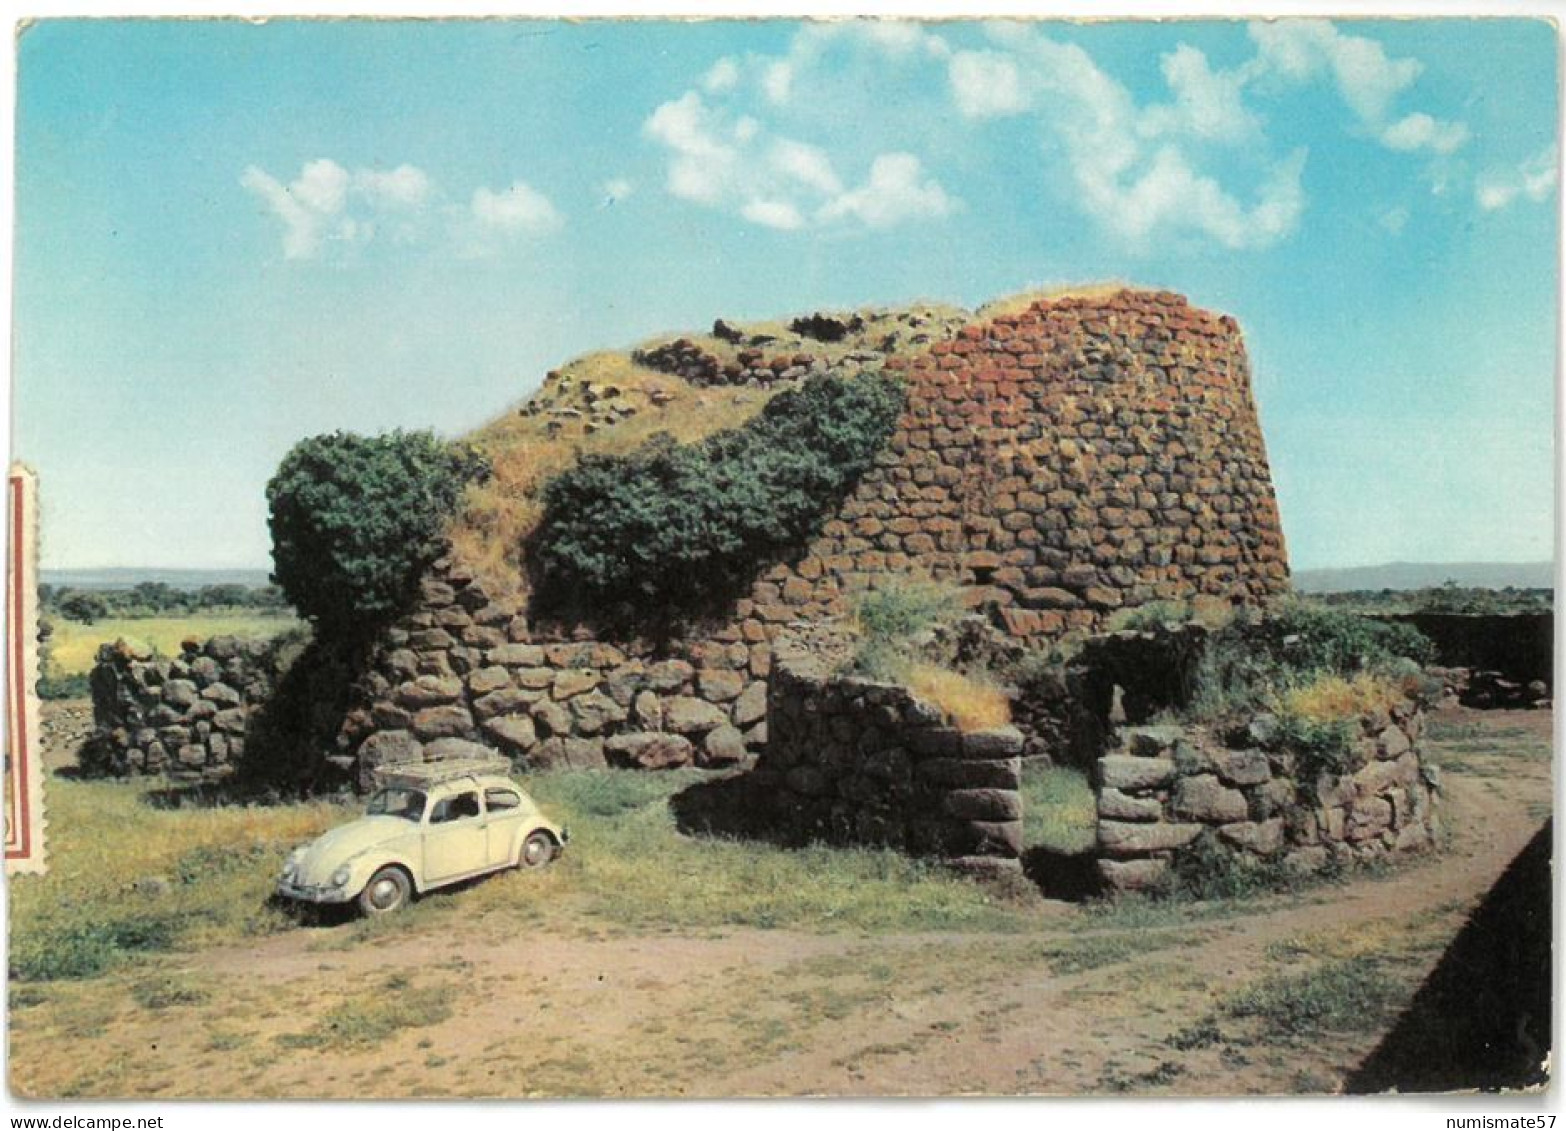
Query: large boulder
649,750
685,714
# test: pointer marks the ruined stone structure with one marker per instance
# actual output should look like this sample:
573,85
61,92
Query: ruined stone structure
1164,788
852,761
1059,463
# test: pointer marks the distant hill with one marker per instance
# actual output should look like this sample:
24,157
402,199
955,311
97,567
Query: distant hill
1422,575
124,577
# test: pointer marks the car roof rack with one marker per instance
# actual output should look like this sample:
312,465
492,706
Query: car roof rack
423,775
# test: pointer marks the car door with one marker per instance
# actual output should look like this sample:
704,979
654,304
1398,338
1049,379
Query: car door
455,840
503,811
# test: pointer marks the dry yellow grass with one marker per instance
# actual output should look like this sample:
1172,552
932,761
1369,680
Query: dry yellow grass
1016,304
496,517
1331,697
970,702
527,445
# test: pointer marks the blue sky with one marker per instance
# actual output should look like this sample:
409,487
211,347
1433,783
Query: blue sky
233,236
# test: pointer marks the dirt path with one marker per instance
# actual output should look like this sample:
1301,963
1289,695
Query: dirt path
1088,1003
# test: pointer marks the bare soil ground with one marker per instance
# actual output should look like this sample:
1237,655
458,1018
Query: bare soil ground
1126,1000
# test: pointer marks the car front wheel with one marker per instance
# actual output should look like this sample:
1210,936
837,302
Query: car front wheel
387,891
537,850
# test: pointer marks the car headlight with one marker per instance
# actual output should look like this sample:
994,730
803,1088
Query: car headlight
340,877
291,865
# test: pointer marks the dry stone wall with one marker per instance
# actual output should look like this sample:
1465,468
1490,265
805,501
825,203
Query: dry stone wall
1166,788
467,670
184,718
852,761
1060,463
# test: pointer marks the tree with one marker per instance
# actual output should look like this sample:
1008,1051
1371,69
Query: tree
83,605
357,520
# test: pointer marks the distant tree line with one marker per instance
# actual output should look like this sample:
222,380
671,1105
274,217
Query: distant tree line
157,599
1447,598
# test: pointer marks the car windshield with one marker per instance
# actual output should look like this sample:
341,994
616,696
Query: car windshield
398,802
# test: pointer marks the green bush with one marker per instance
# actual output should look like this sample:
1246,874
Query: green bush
892,620
1320,746
1309,639
1246,664
671,530
357,520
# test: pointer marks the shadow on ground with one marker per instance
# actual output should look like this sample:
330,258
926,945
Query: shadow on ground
1482,1018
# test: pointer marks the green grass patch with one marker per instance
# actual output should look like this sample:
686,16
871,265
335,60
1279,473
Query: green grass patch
1338,996
127,879
73,648
1059,810
635,868
373,1017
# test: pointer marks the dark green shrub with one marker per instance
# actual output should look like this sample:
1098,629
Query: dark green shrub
1309,639
83,948
82,605
672,530
357,520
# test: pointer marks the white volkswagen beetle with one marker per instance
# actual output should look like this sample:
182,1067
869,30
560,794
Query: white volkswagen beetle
427,826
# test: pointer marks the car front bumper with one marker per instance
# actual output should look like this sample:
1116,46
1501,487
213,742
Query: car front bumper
312,893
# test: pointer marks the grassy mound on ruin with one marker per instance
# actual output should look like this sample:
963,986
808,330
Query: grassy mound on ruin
608,404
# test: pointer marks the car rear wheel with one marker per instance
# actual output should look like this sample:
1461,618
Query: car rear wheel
387,891
537,850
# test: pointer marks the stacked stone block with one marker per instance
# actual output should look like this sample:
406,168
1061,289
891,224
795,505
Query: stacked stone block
1164,787
465,670
184,718
1063,462
851,761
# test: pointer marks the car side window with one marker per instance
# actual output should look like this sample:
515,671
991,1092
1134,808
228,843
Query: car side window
457,808
500,800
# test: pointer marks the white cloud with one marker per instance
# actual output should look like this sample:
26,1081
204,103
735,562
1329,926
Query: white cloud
1394,220
900,38
805,164
778,81
986,84
705,153
778,214
1302,49
735,163
1367,79
1535,179
310,207
1132,168
1419,131
515,210
724,76
616,189
327,204
322,187
1207,104
405,186
896,192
